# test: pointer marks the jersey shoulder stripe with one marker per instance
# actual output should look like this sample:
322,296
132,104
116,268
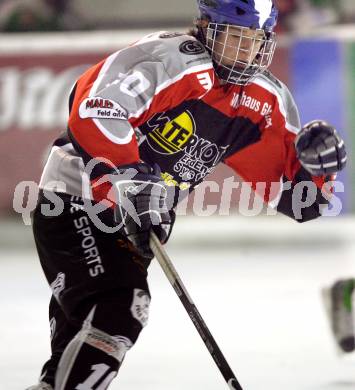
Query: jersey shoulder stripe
177,52
133,84
130,79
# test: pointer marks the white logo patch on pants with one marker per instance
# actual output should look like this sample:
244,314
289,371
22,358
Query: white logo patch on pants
140,306
58,285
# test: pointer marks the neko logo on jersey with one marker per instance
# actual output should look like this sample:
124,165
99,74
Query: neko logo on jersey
170,136
96,107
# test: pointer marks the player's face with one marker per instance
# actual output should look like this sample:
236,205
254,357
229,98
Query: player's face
237,46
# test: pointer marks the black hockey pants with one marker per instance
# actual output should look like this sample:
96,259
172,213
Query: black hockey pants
87,268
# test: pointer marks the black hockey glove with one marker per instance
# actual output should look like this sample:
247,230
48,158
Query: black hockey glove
320,149
142,206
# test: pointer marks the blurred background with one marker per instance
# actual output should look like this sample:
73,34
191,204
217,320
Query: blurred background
257,280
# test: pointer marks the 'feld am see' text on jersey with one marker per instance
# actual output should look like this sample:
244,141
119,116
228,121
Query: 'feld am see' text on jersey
160,101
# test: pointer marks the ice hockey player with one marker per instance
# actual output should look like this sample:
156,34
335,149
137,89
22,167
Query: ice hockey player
156,116
339,302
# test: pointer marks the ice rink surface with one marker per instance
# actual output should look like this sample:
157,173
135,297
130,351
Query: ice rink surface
263,306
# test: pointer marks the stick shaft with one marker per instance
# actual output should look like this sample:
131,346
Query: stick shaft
192,311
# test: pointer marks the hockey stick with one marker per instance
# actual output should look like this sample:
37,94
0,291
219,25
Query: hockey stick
192,311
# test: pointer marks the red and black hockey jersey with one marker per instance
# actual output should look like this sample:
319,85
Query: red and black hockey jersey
160,101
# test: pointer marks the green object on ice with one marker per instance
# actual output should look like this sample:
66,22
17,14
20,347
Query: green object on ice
348,292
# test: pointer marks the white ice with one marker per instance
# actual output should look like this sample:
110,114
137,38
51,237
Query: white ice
262,305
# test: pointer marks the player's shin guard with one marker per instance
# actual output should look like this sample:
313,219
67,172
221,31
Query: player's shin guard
91,360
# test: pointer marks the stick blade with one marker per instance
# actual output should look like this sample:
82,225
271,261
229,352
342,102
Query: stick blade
233,384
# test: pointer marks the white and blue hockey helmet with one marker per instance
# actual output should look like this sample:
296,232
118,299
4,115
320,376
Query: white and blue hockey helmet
239,36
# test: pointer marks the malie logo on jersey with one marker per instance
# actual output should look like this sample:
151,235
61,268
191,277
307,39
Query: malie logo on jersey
97,107
170,136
